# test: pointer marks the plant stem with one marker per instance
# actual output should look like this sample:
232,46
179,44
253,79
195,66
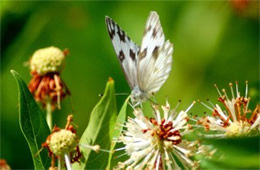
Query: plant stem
59,164
49,114
67,162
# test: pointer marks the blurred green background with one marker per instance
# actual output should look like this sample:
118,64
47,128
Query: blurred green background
214,42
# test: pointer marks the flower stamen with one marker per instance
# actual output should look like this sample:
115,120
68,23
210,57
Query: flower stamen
233,119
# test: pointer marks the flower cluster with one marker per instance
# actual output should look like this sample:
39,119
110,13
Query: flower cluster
46,84
157,142
234,119
62,144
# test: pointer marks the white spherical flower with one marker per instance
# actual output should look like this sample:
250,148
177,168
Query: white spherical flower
46,60
157,143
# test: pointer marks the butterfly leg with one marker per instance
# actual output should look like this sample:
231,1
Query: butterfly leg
154,98
136,104
153,101
130,104
141,105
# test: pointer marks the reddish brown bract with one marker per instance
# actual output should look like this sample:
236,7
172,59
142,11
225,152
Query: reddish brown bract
48,87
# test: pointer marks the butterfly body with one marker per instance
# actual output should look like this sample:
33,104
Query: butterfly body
146,67
138,95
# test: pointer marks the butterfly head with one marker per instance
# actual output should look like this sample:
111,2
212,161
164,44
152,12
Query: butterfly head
138,95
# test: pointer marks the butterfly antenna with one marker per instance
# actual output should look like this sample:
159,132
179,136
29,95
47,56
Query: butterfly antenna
117,94
122,94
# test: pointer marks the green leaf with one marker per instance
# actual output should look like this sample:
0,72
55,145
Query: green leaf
117,131
99,130
32,123
232,150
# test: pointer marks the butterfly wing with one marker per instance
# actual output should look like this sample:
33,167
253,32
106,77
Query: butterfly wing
126,51
155,57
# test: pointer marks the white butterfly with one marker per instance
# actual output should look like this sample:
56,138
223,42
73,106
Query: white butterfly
147,67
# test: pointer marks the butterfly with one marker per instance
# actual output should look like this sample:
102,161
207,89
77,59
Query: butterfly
146,68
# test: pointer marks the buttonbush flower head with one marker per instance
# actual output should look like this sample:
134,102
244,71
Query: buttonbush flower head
46,85
157,142
4,165
62,144
47,60
234,119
